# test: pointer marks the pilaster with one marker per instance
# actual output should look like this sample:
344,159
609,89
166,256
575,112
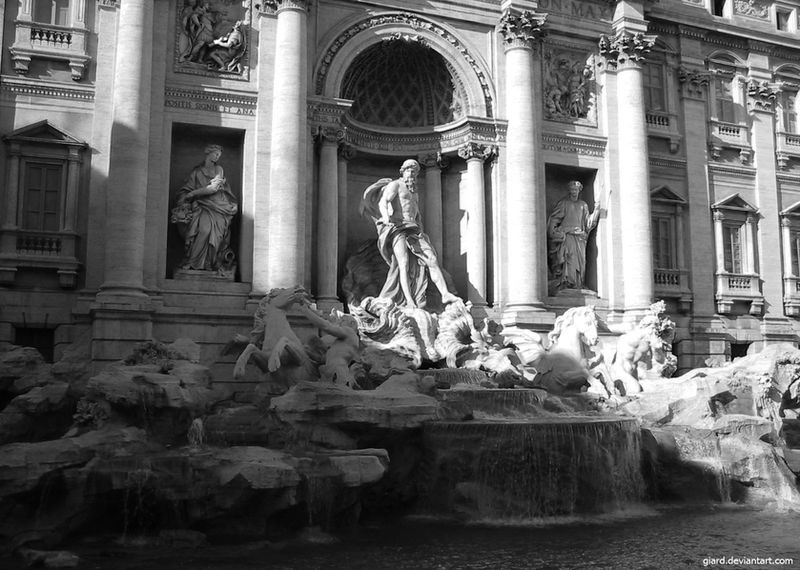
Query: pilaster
432,220
761,96
694,97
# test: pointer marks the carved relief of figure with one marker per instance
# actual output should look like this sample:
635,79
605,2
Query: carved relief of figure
228,50
568,227
393,206
205,207
566,87
200,28
185,41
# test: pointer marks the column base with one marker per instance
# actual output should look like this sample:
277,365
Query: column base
118,328
326,304
528,316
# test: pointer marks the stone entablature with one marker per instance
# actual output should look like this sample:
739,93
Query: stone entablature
471,129
226,102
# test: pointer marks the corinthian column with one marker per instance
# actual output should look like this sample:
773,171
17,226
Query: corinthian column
328,218
126,191
624,53
475,206
286,265
524,201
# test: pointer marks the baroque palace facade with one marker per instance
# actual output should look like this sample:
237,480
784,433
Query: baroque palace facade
679,118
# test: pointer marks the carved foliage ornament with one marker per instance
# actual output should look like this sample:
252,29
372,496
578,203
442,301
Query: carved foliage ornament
762,95
625,48
521,29
474,150
693,81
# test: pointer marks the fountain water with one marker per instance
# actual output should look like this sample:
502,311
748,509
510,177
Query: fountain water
539,467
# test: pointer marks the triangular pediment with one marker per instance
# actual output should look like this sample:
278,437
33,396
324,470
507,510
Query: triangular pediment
43,132
793,210
664,194
734,202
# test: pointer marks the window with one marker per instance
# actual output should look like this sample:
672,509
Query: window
789,111
795,253
663,243
732,243
51,31
783,20
653,79
51,12
737,274
723,93
42,191
719,7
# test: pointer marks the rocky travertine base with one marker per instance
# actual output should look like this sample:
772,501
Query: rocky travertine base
725,433
127,451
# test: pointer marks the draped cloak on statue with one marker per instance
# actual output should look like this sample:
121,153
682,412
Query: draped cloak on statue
418,243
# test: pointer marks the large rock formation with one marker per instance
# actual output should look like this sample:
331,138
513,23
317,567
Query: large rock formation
725,432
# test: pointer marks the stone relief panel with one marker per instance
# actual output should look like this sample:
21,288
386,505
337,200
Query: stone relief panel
212,38
752,8
569,85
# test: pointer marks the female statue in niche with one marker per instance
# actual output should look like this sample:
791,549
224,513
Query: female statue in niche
204,209
568,228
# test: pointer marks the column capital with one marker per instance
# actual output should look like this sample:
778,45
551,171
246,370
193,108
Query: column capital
278,6
521,29
718,216
694,82
625,49
328,134
786,222
433,160
347,151
475,151
109,3
761,95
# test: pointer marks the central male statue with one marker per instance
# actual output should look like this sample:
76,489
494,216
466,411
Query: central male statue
393,206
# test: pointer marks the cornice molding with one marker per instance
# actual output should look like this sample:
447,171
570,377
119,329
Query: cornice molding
11,87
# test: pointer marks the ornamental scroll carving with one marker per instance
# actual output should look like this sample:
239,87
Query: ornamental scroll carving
625,48
212,36
751,8
694,82
762,95
521,29
568,85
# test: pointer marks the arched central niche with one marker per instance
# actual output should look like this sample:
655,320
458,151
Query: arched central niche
401,83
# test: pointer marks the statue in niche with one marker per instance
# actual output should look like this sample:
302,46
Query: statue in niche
566,87
393,206
568,228
204,209
207,39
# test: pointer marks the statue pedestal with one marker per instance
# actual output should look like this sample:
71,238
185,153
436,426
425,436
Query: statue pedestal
573,298
205,275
